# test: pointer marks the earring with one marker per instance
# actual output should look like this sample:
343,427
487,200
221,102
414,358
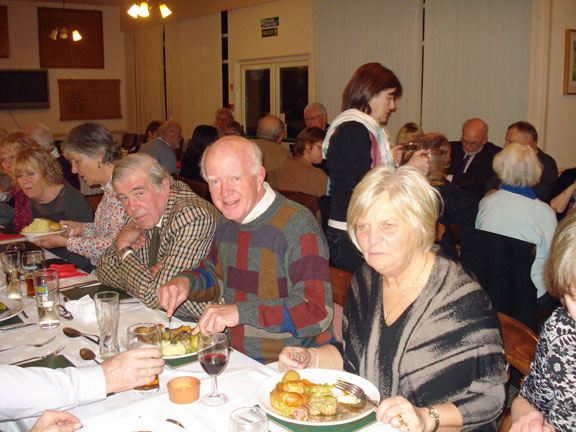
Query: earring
98,164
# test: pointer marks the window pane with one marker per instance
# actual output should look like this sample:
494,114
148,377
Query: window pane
294,97
257,100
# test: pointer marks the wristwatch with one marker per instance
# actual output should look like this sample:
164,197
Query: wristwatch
433,412
123,253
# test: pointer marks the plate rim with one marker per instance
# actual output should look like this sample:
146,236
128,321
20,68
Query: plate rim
179,356
14,309
130,422
43,234
308,373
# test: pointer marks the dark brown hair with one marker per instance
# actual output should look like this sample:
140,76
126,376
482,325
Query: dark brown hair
309,135
369,80
526,129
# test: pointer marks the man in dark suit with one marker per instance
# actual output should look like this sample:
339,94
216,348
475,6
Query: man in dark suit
471,157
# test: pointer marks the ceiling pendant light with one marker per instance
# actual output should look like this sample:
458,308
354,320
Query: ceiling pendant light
134,11
164,10
76,36
54,34
61,31
142,9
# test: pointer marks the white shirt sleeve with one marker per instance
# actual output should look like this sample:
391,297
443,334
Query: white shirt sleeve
27,392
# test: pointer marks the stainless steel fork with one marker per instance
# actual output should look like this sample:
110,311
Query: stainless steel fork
39,345
354,390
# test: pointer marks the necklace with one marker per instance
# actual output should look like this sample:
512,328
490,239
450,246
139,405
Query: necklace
405,286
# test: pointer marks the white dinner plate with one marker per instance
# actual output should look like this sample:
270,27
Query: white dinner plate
31,236
317,376
179,356
131,424
14,306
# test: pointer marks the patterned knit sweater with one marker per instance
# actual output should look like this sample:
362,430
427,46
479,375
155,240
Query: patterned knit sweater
275,269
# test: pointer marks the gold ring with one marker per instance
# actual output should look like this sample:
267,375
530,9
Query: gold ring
402,422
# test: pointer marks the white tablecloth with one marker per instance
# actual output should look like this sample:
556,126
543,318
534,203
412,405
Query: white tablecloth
238,381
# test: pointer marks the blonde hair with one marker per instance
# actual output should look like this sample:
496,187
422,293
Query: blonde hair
410,194
409,128
559,271
517,165
40,161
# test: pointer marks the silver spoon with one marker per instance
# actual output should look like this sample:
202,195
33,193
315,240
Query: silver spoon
88,354
73,333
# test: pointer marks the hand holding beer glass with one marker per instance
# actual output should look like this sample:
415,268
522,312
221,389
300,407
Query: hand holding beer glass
145,335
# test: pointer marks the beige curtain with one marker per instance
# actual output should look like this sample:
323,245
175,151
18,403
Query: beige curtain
193,71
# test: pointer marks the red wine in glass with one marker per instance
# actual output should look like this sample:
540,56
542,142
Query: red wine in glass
213,355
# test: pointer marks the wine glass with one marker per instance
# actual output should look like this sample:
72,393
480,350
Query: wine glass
213,355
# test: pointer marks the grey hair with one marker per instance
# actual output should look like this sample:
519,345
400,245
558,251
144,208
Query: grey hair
41,134
318,107
167,127
270,128
517,165
253,151
93,140
155,173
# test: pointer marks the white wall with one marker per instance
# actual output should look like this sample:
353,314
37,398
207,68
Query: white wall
560,137
24,54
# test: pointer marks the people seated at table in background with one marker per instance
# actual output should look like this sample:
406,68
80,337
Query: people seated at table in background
315,115
93,152
222,118
45,138
202,137
274,154
564,193
162,147
547,399
20,216
234,128
40,177
26,392
460,207
408,133
268,261
150,134
169,229
354,143
299,174
471,158
515,211
415,323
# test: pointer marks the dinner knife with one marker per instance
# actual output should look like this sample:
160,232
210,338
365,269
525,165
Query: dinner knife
16,326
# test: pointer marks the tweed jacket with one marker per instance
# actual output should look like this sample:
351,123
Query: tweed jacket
187,230
273,156
449,350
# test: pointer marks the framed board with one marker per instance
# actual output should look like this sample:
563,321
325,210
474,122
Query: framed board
4,41
89,99
65,53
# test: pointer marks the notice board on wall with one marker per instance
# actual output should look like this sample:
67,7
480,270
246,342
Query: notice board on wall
89,99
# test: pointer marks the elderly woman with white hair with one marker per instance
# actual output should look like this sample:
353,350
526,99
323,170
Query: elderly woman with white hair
514,211
415,324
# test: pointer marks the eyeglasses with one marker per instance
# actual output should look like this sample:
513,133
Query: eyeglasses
313,118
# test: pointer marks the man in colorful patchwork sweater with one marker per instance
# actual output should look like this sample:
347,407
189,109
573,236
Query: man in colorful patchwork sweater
268,261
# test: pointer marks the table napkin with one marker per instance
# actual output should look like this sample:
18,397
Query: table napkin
83,309
67,270
5,237
52,362
14,320
176,363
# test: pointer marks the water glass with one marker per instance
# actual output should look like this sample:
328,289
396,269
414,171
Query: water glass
47,290
31,262
408,151
145,335
108,314
11,265
248,419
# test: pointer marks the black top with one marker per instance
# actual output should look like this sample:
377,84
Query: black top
349,158
479,171
566,179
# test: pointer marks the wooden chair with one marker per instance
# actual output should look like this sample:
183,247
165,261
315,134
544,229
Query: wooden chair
93,201
311,202
129,140
520,347
340,286
198,187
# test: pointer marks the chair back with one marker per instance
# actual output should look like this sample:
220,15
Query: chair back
503,265
129,140
198,187
311,202
94,201
340,286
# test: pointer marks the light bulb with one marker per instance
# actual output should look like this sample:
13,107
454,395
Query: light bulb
63,33
164,10
54,34
144,9
134,11
76,36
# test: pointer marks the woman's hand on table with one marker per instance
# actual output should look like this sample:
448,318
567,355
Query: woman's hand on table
132,368
294,358
216,318
51,241
173,294
56,421
404,416
73,228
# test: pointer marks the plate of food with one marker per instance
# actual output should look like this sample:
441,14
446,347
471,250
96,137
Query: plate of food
41,227
308,397
9,308
178,342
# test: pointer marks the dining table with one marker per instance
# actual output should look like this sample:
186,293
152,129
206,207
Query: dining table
238,381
